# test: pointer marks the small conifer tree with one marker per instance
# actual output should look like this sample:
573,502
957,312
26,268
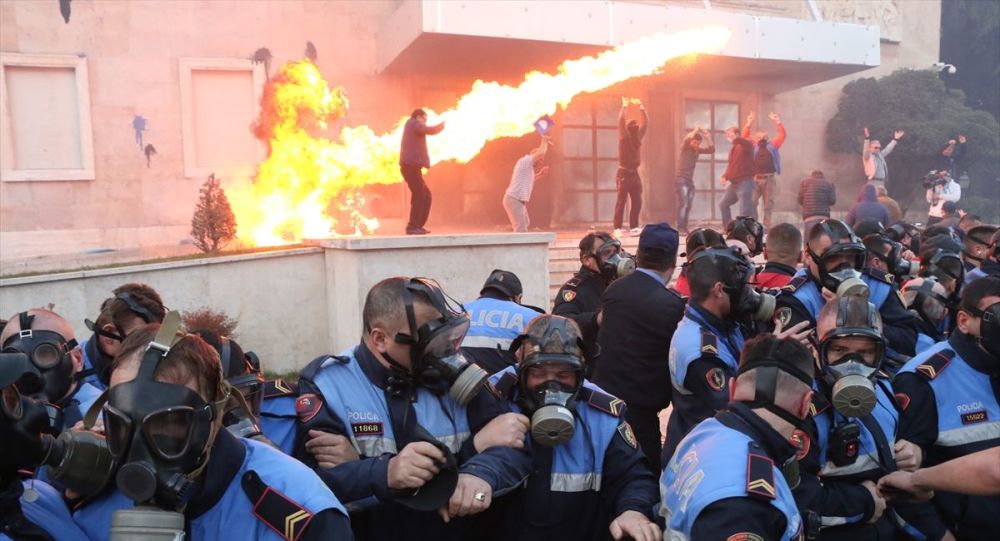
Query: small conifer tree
213,224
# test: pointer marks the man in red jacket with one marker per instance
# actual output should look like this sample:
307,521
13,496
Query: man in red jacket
739,175
783,253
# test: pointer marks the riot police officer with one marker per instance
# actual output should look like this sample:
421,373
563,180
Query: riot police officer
602,261
928,300
835,266
705,348
497,317
732,476
948,395
47,339
586,458
748,231
163,422
850,440
425,441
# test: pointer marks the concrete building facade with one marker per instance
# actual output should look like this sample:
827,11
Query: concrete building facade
114,113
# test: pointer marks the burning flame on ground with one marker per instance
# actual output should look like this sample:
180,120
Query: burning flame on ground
306,177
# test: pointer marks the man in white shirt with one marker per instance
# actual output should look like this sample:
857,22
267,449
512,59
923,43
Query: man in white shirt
515,199
943,189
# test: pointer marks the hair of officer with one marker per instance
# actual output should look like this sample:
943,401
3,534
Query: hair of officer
977,290
840,229
104,317
44,319
789,388
191,357
856,314
876,245
703,273
143,295
981,234
587,242
969,218
784,244
384,304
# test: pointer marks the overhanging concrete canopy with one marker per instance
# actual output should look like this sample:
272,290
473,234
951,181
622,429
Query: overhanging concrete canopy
499,39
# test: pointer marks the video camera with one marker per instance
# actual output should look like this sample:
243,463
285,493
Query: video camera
935,178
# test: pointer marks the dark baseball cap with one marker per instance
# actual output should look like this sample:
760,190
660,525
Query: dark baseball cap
659,237
505,282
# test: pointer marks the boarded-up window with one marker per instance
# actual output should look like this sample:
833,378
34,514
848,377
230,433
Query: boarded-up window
46,118
220,99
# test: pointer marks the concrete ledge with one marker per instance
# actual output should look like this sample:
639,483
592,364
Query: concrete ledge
432,241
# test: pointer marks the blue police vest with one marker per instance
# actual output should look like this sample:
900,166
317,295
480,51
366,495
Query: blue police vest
924,342
711,464
360,405
687,346
496,323
968,412
578,463
49,512
232,517
277,421
812,299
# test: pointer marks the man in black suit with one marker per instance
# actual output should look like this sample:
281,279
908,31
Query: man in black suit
640,314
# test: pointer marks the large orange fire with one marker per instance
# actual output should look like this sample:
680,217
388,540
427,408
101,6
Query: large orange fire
308,180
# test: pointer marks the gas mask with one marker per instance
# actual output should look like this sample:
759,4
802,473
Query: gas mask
49,352
614,261
749,231
793,359
844,279
242,372
989,329
161,433
435,355
745,302
852,380
551,405
898,265
946,265
929,306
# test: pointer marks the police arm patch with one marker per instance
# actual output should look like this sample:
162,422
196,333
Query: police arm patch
801,441
760,476
307,406
716,378
568,295
783,316
625,430
287,518
902,400
744,536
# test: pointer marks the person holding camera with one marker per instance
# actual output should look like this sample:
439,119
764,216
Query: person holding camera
941,188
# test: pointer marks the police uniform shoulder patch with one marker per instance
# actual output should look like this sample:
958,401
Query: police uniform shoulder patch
307,406
880,275
744,536
568,295
760,474
625,430
709,344
784,316
902,400
716,378
818,405
279,387
795,283
287,518
932,367
603,401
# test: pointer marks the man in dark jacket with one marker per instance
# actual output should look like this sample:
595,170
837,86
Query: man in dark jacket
739,174
639,317
413,159
867,208
627,178
691,148
816,196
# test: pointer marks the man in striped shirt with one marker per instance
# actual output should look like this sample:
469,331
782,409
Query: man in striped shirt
526,171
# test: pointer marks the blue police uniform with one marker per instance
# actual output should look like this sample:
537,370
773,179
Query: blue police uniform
47,512
277,413
350,395
950,409
263,494
94,361
495,323
704,356
841,503
802,300
599,468
75,407
722,483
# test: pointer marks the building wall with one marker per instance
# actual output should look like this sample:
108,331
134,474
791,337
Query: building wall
133,53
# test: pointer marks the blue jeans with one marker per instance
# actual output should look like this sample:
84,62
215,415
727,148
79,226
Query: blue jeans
742,190
685,196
